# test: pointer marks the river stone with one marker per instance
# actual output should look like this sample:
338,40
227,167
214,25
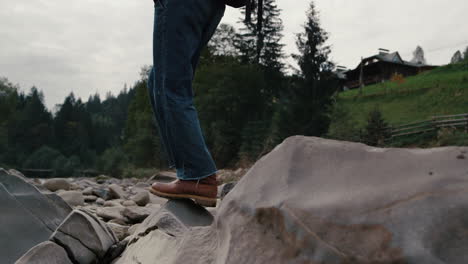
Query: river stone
100,201
73,198
142,198
102,193
113,203
81,228
110,213
90,198
45,253
27,217
116,191
88,191
136,214
314,200
54,185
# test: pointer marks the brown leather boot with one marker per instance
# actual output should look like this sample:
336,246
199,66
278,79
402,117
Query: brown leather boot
203,192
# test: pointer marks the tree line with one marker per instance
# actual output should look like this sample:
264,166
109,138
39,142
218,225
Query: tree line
248,102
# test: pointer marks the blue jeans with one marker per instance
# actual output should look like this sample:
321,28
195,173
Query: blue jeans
182,28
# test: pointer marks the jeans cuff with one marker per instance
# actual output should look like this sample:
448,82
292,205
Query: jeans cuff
198,178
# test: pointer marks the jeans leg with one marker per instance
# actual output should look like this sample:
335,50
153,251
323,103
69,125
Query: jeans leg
158,112
179,30
208,32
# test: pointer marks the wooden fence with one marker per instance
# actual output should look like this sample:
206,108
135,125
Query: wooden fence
433,124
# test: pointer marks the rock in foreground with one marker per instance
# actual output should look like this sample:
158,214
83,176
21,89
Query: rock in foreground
45,253
27,216
313,200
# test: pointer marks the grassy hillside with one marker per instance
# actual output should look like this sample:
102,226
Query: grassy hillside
443,91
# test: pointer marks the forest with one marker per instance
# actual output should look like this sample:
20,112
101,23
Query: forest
248,101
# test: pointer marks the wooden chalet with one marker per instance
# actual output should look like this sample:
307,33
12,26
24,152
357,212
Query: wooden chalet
381,68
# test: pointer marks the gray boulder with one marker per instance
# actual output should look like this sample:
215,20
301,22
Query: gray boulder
327,201
85,238
27,216
54,185
45,253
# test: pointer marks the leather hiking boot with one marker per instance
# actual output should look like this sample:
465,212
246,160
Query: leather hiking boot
203,192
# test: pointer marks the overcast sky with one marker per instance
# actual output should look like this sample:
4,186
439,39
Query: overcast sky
91,46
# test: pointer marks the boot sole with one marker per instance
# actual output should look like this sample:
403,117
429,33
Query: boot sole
203,201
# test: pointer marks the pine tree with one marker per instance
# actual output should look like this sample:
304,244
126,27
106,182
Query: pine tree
260,40
456,58
141,140
376,129
223,41
313,51
304,110
465,54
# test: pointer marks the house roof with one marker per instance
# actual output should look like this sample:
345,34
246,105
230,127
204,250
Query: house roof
389,57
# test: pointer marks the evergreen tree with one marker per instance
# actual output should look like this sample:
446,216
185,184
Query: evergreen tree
465,54
456,58
141,139
304,109
73,128
31,125
376,129
223,41
260,39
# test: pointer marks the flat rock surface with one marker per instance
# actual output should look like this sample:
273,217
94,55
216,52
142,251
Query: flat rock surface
27,217
162,234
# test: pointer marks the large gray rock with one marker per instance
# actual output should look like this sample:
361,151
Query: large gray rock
313,200
85,238
45,253
56,184
331,202
27,216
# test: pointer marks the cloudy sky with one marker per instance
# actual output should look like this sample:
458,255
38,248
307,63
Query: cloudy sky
91,46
